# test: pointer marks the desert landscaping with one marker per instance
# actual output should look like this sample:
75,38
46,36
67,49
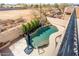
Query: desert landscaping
11,21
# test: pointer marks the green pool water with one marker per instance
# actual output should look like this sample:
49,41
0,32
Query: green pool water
41,36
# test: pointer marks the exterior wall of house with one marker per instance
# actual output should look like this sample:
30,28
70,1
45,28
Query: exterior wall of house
77,12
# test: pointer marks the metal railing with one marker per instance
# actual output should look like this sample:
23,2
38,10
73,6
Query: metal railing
69,46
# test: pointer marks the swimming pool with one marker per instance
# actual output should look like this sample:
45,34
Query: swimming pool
41,36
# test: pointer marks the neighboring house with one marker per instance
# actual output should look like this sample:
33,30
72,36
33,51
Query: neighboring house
17,6
7,6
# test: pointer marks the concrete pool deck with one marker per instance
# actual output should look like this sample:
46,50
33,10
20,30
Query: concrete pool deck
17,49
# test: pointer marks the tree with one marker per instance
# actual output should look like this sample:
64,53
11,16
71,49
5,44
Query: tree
63,5
56,5
1,5
36,6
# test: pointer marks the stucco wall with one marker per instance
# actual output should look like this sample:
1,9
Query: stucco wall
77,12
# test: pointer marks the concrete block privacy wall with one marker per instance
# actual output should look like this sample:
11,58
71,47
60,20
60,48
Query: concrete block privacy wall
11,34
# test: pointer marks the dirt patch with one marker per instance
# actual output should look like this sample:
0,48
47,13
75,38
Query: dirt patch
12,18
15,14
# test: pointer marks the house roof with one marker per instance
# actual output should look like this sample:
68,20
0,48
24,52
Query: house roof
68,10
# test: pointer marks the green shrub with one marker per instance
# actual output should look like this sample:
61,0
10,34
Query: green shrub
32,24
24,28
29,26
36,21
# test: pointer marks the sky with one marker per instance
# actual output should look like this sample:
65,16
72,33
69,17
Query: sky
38,1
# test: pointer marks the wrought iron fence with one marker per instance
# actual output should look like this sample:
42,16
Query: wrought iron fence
69,46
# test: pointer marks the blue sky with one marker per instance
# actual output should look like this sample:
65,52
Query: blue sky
38,1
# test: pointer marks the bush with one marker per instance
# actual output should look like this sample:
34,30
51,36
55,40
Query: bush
35,22
24,28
